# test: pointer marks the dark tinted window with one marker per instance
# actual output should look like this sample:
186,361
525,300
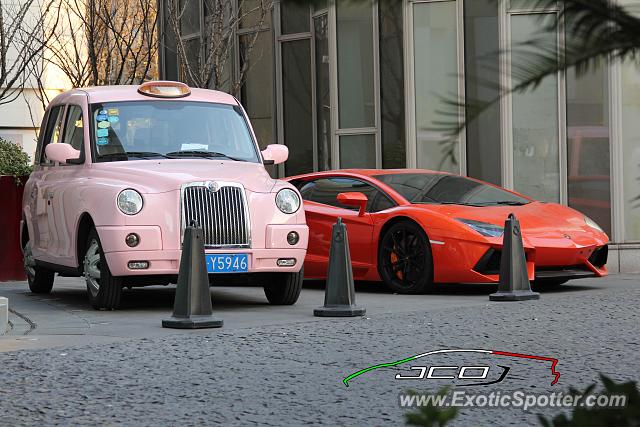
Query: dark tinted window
443,188
326,191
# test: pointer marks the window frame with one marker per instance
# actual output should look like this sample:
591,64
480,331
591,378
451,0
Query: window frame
48,133
65,117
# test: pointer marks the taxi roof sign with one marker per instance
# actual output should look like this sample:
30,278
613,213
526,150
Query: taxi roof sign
164,89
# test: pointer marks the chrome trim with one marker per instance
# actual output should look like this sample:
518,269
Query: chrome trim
224,216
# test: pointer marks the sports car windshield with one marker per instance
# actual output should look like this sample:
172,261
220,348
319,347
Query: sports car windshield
448,189
149,130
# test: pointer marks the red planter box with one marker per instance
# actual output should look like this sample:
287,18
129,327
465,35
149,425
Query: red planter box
10,214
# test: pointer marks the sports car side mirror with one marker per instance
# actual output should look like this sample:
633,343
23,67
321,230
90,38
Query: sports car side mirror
61,153
275,154
358,200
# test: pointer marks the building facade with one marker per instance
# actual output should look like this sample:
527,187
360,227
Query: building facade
362,85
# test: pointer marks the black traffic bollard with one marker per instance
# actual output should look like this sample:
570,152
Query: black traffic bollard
514,280
339,295
192,305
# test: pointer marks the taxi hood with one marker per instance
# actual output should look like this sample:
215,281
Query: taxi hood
159,176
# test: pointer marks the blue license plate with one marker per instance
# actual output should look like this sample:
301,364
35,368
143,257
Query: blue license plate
227,263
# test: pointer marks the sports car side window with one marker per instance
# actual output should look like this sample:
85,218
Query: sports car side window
326,190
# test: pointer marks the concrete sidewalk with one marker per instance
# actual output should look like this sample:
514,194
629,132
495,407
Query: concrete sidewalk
65,318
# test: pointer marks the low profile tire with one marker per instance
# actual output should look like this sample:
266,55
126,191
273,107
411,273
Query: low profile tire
284,288
404,259
104,290
40,279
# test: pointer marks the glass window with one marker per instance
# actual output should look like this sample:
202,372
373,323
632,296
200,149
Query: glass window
435,53
190,18
74,127
630,110
323,99
192,51
252,12
355,64
482,80
52,135
326,191
393,137
297,106
173,129
358,151
257,90
536,162
294,17
448,189
588,170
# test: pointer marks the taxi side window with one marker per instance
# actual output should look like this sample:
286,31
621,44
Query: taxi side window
74,127
52,133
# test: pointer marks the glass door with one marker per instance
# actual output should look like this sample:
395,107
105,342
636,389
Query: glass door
436,76
322,92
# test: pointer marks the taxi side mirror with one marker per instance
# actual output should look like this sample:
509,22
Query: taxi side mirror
356,199
61,153
275,154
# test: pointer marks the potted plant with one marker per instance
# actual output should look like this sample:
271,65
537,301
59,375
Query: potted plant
15,168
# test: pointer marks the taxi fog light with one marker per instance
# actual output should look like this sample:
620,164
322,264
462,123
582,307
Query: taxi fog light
132,240
138,265
286,262
293,238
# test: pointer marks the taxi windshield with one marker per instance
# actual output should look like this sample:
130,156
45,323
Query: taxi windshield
138,130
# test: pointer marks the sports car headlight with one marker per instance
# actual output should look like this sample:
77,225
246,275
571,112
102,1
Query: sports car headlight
591,223
129,202
484,228
287,201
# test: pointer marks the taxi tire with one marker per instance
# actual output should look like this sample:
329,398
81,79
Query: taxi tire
284,288
110,292
42,280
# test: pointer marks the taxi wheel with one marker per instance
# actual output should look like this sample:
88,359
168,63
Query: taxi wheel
284,288
40,279
404,259
104,290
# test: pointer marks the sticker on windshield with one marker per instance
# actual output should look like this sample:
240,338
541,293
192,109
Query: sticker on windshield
102,112
113,112
194,147
102,141
113,119
102,132
101,117
104,125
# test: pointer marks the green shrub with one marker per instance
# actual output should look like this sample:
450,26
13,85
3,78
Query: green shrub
13,161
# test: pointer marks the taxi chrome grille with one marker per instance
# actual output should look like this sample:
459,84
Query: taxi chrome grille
222,214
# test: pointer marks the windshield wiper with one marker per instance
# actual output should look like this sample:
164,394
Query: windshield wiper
126,155
145,154
201,153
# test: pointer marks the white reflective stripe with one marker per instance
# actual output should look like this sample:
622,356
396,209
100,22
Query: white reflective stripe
436,242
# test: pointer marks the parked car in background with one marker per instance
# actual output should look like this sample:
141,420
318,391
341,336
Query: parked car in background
120,171
413,228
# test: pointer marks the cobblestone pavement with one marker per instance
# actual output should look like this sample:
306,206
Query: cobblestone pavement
291,374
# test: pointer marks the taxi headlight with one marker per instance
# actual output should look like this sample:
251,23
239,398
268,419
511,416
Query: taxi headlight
288,201
129,202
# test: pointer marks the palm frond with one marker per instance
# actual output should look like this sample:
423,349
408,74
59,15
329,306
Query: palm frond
595,31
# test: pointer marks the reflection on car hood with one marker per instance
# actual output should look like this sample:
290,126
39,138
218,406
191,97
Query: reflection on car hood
158,176
536,218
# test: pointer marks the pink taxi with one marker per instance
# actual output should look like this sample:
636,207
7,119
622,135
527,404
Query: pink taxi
121,170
